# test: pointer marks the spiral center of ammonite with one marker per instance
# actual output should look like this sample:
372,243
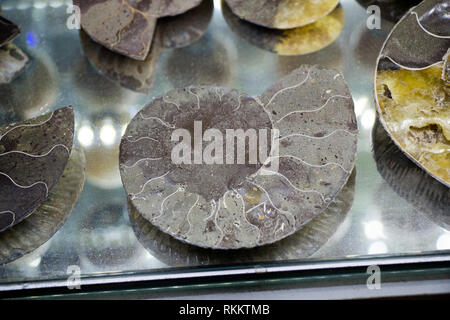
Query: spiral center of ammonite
217,144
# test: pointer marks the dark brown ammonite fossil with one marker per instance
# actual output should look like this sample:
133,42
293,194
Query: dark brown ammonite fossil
127,26
33,156
228,205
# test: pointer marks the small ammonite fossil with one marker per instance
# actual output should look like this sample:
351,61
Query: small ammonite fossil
127,26
282,14
33,156
413,88
295,41
172,32
220,169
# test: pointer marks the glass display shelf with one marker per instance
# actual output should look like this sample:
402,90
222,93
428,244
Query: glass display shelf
390,211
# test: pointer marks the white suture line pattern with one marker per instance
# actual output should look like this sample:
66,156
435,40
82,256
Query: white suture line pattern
171,102
425,30
270,200
26,187
313,110
409,68
297,188
312,165
161,211
27,125
189,212
37,156
244,214
317,138
288,88
198,98
134,195
139,139
140,160
13,218
239,100
164,123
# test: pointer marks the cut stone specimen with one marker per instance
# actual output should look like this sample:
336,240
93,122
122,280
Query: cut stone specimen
229,205
282,14
296,41
127,26
33,156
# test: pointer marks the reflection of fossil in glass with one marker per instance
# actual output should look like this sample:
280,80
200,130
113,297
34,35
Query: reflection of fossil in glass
409,181
209,63
35,91
128,73
282,14
411,91
172,32
127,27
105,239
300,245
184,29
49,216
13,61
391,10
38,177
236,206
297,41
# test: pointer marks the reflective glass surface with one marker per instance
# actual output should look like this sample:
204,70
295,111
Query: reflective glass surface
389,207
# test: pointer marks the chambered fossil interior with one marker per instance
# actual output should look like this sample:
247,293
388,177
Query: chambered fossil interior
127,26
412,87
416,108
299,245
174,159
33,156
296,41
49,216
282,14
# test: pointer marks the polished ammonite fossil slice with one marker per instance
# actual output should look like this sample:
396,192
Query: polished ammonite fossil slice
282,14
33,156
306,130
412,87
296,41
127,26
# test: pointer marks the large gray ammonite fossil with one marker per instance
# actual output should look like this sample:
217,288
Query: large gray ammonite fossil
33,156
127,26
311,147
301,244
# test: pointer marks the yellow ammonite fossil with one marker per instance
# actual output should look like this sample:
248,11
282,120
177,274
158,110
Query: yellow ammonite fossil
413,87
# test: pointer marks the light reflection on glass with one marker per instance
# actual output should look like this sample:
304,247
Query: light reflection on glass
85,135
378,247
35,262
108,133
443,242
368,119
374,229
360,105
